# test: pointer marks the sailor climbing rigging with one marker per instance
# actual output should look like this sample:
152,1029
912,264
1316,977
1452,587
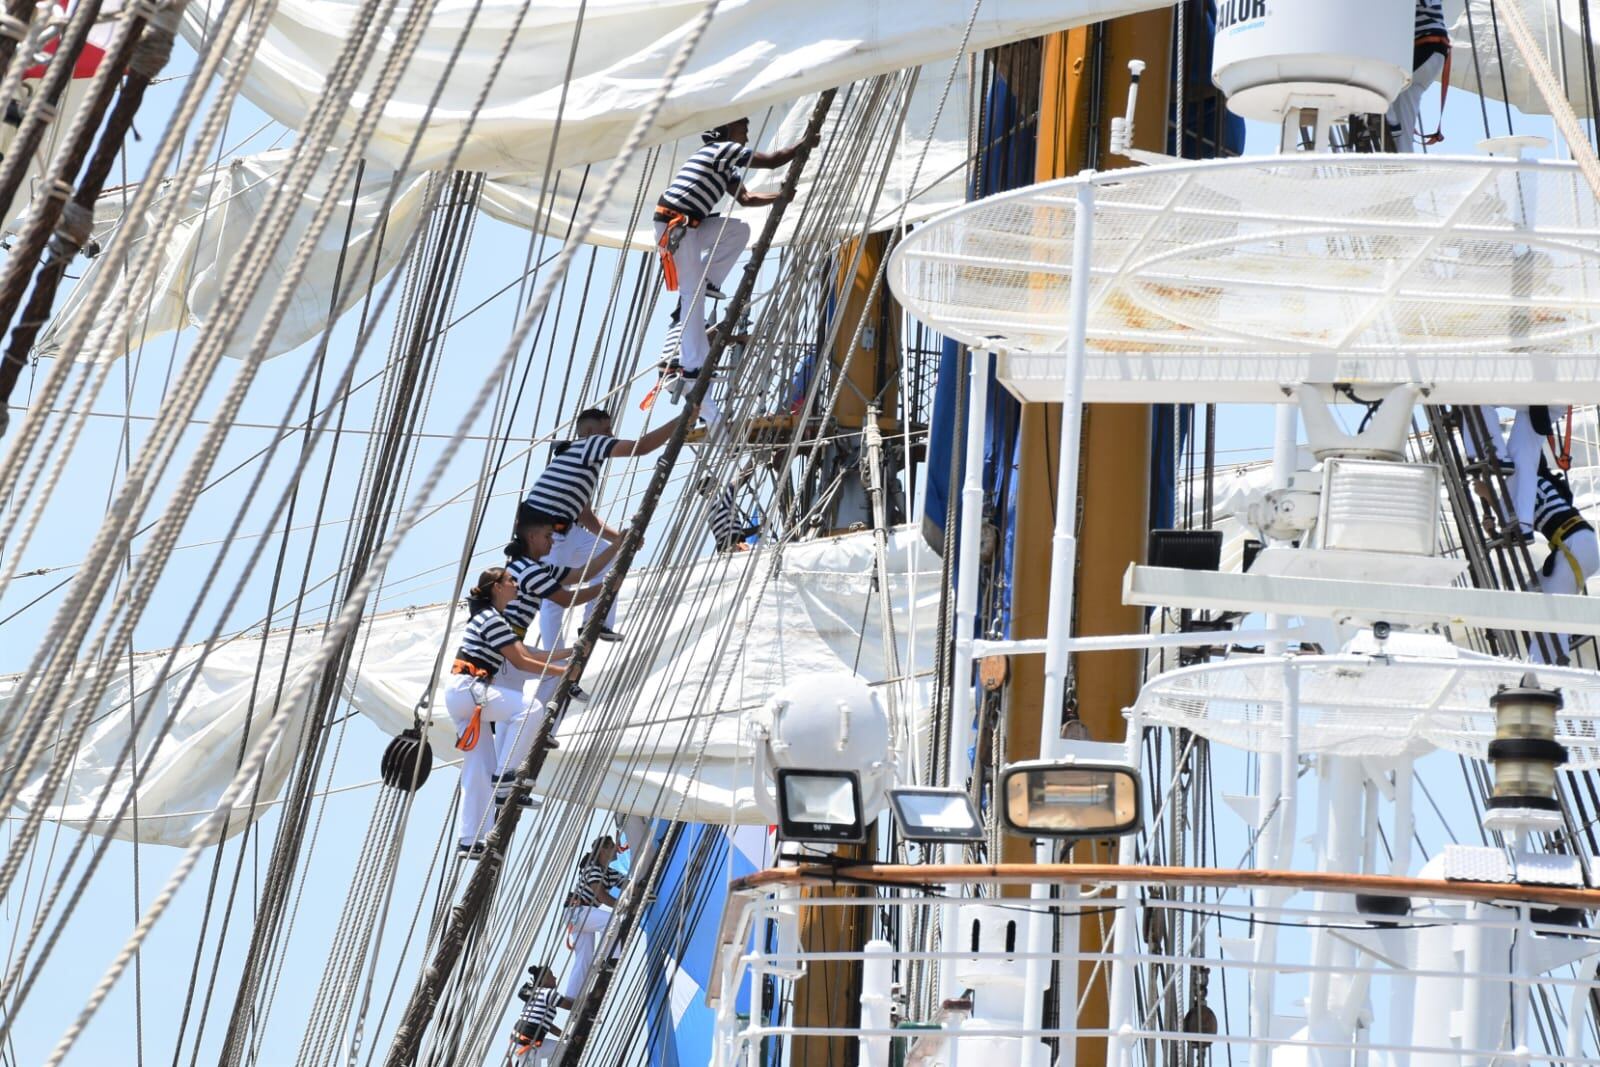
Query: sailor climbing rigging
537,1020
1519,458
1430,61
561,497
699,247
589,906
1574,550
536,583
729,528
479,694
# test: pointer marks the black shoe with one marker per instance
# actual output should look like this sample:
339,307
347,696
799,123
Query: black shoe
525,801
606,633
578,693
714,293
474,851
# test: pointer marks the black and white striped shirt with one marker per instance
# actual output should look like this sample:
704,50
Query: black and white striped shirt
486,634
1430,19
535,581
1553,506
727,525
706,177
539,1009
670,349
593,881
567,485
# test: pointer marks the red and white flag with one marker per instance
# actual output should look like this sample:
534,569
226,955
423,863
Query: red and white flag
94,49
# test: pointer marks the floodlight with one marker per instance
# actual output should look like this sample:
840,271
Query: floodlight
1076,799
820,806
936,815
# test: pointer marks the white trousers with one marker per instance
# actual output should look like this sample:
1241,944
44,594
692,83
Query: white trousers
501,704
1558,576
1522,452
575,548
1405,114
706,254
585,924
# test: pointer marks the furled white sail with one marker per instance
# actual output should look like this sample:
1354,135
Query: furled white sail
756,54
1502,71
682,747
759,58
926,175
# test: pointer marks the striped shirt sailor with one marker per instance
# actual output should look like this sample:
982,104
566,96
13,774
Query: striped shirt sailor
594,879
567,486
1553,506
1430,19
727,526
539,1010
486,634
535,581
706,177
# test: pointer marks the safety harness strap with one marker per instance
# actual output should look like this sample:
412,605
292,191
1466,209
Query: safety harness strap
1444,84
1558,543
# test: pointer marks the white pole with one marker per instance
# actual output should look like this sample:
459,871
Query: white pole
877,1000
957,766
1122,929
1058,628
1285,453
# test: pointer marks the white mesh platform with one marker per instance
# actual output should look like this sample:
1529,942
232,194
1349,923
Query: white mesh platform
1473,276
1359,706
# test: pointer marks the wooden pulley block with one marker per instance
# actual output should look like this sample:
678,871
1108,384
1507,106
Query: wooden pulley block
993,672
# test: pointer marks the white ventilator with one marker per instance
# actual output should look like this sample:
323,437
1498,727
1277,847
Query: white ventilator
830,721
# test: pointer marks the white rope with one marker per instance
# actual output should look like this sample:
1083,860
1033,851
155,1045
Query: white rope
350,616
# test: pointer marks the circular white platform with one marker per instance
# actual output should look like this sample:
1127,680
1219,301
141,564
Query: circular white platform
1352,705
1368,259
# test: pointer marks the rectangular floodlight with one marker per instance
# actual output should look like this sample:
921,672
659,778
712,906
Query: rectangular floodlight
936,815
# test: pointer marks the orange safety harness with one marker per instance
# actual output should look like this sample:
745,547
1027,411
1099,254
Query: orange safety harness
1444,84
469,737
677,224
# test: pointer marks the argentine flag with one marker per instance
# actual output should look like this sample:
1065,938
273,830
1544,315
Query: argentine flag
680,929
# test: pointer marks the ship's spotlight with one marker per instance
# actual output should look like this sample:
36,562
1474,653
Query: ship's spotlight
820,806
1072,800
935,815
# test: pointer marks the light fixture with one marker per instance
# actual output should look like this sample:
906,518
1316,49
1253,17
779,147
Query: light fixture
1074,800
1190,550
1525,752
820,806
936,815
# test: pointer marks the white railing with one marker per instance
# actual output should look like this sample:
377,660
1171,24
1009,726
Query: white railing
1458,981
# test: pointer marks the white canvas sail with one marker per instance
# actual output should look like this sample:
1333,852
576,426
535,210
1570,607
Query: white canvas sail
729,652
756,54
926,175
1486,55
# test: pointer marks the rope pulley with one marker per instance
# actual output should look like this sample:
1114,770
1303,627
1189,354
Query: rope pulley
407,761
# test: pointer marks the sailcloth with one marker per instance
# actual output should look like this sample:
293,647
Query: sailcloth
1483,58
756,54
762,58
681,753
924,177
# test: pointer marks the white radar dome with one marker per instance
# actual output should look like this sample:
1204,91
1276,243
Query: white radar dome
1342,57
832,721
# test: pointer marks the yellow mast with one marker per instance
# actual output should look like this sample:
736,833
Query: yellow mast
1085,70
